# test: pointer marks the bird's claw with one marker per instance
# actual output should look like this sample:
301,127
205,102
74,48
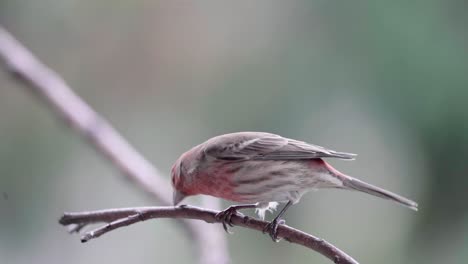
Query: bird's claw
272,228
225,217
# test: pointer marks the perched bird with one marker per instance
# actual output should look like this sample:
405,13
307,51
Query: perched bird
260,169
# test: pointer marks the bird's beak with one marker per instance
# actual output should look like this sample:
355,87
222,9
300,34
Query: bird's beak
178,197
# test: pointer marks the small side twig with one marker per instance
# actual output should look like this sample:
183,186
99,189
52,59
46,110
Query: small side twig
116,218
131,219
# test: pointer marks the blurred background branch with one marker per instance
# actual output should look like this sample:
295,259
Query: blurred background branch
106,140
117,218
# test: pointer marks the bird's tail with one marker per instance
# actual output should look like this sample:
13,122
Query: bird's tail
357,185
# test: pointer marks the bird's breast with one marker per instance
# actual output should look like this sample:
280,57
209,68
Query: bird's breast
262,181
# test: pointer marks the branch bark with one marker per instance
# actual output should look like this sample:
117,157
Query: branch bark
106,140
116,218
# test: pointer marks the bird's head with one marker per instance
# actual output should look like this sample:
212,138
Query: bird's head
178,176
183,174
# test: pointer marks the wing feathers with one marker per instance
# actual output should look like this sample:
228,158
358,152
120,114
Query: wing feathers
265,146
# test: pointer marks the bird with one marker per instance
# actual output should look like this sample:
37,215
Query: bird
259,170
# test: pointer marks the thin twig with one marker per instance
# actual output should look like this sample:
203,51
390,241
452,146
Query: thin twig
103,137
116,218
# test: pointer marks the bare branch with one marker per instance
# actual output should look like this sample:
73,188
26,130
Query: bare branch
103,137
116,218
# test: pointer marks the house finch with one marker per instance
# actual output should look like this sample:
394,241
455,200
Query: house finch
260,169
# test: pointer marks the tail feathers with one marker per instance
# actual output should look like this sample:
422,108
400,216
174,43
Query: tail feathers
355,184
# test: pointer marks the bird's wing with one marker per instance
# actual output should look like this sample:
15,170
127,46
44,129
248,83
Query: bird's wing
243,145
265,146
297,150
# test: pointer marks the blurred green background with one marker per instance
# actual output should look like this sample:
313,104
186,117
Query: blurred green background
385,79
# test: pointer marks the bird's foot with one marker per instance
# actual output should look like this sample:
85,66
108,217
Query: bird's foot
272,228
225,217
